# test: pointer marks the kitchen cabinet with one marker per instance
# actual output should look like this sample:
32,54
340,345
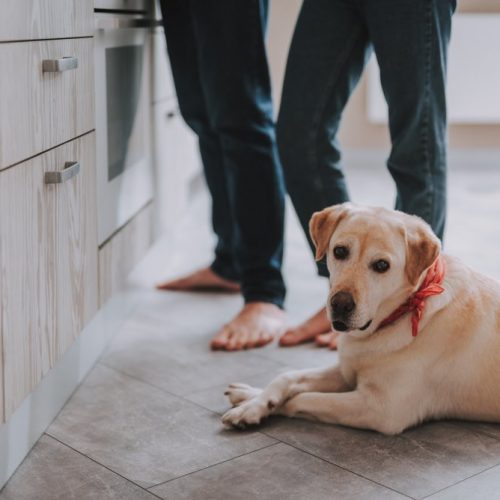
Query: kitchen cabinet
42,19
48,263
44,100
54,273
119,255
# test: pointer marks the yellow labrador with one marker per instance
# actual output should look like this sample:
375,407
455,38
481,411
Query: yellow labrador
421,332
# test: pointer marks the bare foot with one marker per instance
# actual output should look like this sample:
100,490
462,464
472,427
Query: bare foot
316,325
202,280
255,325
329,339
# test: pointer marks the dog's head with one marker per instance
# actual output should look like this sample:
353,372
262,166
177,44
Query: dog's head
376,258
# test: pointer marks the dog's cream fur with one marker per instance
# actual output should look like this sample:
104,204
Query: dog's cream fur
386,379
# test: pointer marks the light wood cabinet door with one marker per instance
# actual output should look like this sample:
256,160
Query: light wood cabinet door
48,263
40,109
36,19
122,252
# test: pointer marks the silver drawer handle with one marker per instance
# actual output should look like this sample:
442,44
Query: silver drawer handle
59,65
71,168
116,23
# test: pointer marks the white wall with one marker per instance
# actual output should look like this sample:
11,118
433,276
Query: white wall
357,131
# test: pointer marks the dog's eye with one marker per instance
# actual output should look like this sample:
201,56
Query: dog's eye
381,266
340,253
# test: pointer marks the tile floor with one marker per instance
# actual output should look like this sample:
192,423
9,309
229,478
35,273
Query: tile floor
145,423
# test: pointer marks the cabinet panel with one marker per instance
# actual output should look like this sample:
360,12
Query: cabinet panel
32,19
120,254
40,109
76,230
48,263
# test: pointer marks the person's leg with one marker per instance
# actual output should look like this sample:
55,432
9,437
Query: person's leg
236,85
411,39
327,56
184,59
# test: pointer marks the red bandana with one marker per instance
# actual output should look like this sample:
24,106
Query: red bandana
416,303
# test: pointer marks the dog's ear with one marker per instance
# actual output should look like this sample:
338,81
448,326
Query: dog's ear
422,248
323,224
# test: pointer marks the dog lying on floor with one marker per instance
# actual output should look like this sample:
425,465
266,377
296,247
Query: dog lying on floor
421,334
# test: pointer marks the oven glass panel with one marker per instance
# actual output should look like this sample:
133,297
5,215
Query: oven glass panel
123,90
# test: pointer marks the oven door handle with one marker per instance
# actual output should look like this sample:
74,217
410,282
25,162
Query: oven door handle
116,23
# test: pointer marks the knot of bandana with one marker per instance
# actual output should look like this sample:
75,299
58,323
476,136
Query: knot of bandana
416,302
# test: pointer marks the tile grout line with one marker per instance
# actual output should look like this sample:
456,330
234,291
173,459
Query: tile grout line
102,465
215,465
461,481
279,440
276,441
161,389
165,391
250,376
90,370
340,467
257,431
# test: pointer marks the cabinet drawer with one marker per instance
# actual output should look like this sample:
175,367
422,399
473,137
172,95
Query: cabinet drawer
41,109
48,263
30,19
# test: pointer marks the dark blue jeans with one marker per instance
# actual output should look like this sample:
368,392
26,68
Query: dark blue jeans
332,42
221,76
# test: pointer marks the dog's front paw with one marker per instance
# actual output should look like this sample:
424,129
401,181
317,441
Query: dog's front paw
248,413
239,393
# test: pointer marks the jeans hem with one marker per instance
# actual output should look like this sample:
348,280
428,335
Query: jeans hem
222,271
277,301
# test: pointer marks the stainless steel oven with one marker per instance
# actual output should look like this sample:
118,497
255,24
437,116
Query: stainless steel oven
123,107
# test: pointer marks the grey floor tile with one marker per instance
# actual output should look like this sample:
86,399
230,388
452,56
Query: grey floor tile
418,463
492,430
144,434
182,362
52,471
195,310
150,436
275,473
301,356
483,486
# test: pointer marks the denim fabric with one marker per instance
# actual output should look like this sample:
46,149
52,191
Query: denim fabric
221,76
332,42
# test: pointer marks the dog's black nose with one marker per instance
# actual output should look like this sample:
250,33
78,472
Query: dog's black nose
342,304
